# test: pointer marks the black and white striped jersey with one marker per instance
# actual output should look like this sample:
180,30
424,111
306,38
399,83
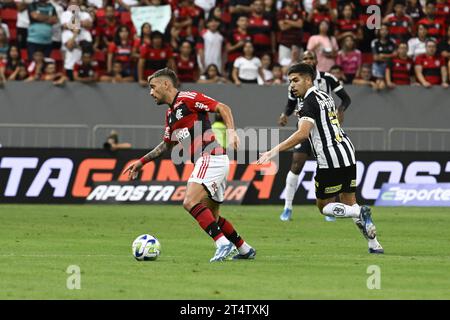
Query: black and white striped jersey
324,81
329,143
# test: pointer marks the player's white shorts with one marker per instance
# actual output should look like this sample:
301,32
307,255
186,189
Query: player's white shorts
212,172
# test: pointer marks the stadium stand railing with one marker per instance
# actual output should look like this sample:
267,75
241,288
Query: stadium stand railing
419,139
45,135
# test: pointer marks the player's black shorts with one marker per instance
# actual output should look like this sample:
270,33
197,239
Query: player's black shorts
331,182
304,147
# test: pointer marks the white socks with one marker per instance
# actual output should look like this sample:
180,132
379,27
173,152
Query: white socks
340,210
244,249
291,187
222,241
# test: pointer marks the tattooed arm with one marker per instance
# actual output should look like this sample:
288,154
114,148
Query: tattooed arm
134,168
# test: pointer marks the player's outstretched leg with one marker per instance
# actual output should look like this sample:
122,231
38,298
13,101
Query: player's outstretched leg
195,193
245,250
361,216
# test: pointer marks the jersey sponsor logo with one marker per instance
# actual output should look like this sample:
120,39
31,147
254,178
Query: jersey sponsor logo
333,189
182,134
201,106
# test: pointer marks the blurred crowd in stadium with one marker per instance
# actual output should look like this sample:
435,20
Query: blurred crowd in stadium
220,41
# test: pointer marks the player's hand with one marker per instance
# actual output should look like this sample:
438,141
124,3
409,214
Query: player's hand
234,140
283,120
133,170
265,157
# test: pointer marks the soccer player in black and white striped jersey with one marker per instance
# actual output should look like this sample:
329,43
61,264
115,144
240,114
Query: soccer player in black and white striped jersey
335,154
323,81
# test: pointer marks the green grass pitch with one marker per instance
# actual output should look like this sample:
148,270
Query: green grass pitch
307,258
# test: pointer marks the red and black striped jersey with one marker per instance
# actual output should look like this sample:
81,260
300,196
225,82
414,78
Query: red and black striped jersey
399,27
187,123
431,67
186,69
260,28
155,59
401,70
121,52
343,25
235,38
436,27
443,10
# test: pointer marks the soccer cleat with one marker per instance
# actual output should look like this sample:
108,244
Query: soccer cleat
286,215
330,219
368,227
249,255
377,250
222,252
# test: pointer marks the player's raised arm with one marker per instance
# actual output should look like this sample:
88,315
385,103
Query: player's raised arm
227,116
134,168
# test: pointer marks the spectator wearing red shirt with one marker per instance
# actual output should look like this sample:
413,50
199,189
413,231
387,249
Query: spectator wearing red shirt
348,24
106,29
349,59
430,68
143,40
435,26
186,63
443,10
236,43
261,30
157,56
189,20
321,12
86,70
120,50
290,24
400,69
399,24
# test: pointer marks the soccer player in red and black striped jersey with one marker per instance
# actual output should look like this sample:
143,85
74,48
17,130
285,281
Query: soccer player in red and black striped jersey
430,68
187,123
400,69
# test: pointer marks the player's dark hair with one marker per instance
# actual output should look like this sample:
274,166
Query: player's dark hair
166,72
302,69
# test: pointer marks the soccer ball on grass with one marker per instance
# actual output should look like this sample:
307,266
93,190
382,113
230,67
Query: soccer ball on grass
146,248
